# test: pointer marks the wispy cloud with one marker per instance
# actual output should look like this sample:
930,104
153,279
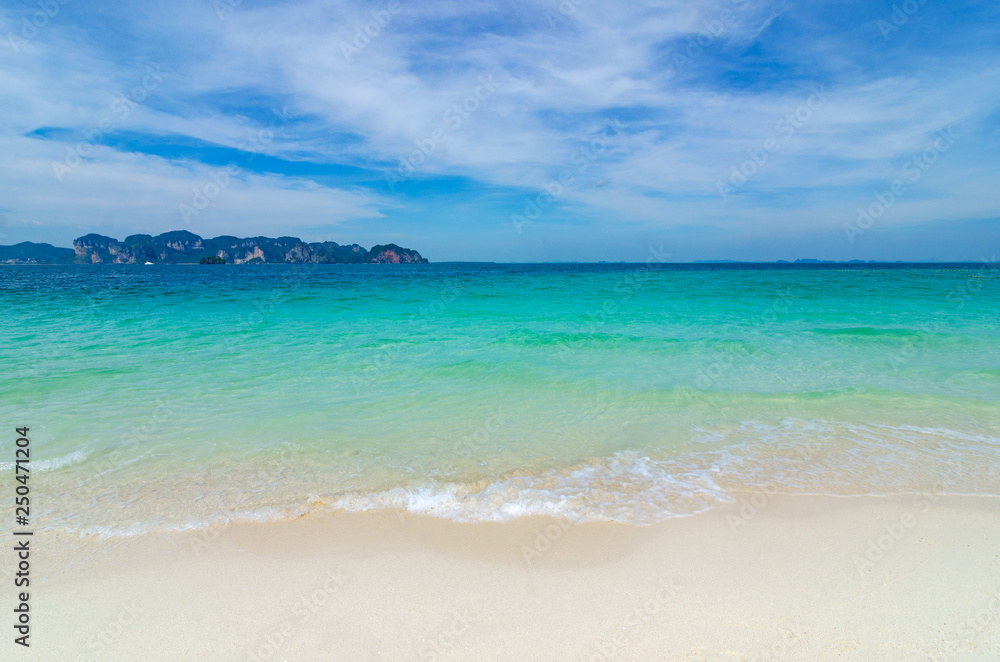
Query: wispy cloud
351,120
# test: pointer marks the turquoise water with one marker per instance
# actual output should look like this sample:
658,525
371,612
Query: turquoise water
174,397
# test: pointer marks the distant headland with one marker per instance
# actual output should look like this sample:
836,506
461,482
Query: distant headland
183,247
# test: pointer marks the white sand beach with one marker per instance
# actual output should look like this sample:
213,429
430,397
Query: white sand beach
780,578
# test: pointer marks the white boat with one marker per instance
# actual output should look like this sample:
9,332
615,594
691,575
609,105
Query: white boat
149,263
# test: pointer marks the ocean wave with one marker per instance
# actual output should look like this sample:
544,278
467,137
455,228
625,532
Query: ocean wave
902,336
76,457
792,457
127,530
637,486
867,331
627,487
529,338
593,339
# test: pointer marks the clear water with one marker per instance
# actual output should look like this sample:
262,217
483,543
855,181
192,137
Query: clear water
173,397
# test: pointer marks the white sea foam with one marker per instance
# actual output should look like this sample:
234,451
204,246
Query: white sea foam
640,487
792,457
257,515
76,457
627,487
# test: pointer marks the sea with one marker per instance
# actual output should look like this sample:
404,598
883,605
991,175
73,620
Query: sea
180,397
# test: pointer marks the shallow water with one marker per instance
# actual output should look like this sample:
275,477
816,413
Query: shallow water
181,396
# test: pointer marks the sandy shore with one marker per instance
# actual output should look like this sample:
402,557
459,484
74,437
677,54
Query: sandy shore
790,578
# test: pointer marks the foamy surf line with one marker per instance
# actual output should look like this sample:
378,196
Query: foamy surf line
76,457
630,487
626,488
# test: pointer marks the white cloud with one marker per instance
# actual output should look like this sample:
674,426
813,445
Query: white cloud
557,85
131,192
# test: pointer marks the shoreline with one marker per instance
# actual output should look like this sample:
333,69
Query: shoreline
799,577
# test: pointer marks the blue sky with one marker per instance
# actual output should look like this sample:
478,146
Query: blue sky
510,131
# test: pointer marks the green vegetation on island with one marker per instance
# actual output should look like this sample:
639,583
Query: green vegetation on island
183,247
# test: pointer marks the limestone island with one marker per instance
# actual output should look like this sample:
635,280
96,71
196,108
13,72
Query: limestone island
183,247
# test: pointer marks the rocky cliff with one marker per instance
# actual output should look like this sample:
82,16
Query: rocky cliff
182,247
